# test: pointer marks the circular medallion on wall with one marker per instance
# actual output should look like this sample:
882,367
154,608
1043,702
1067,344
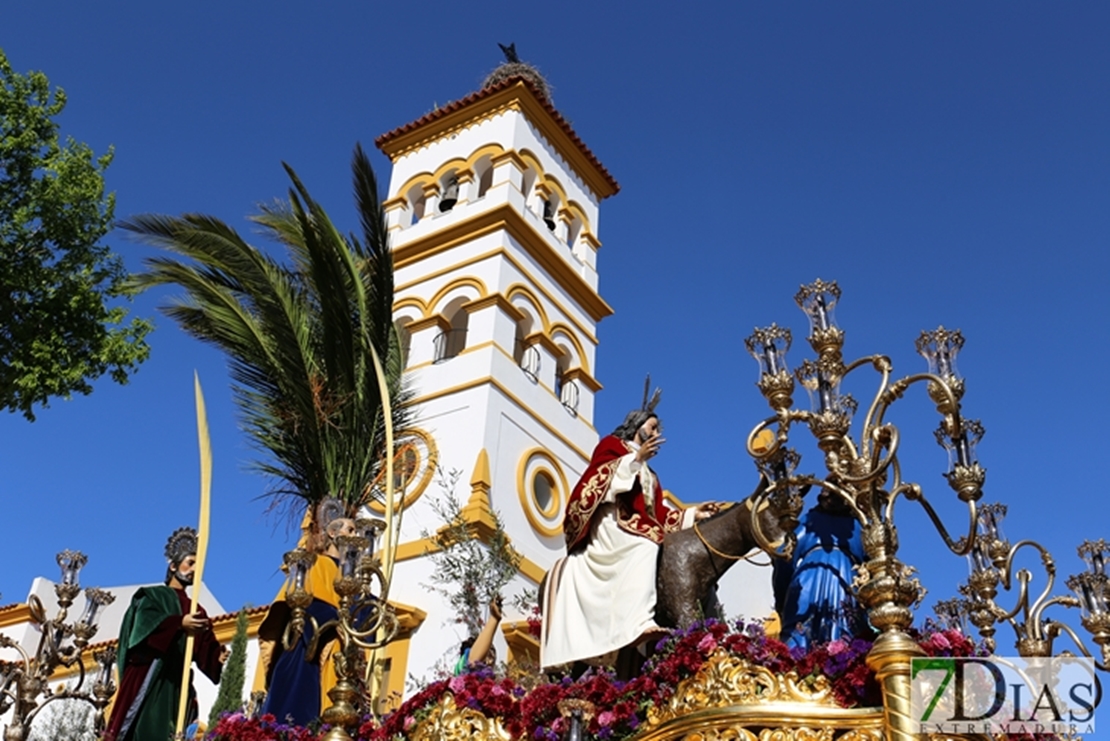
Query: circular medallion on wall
542,487
414,464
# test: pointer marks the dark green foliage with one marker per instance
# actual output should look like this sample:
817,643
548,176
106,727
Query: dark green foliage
299,336
230,696
59,329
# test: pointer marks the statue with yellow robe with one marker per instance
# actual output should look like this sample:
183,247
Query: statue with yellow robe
297,680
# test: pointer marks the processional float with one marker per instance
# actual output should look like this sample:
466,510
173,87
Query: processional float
734,697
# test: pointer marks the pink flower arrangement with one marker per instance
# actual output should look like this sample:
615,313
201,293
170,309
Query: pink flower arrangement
621,707
239,727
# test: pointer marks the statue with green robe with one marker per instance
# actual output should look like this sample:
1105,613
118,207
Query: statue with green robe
151,659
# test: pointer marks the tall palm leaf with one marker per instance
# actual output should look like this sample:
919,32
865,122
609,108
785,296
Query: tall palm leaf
299,335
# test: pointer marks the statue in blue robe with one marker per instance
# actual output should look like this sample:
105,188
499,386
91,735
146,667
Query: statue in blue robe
813,589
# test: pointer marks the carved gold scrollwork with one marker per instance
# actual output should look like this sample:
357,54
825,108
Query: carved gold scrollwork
449,723
722,734
803,733
726,680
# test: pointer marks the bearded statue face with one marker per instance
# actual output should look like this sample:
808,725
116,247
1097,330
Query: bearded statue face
185,570
648,430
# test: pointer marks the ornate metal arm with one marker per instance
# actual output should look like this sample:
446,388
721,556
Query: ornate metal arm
27,680
913,493
993,564
864,472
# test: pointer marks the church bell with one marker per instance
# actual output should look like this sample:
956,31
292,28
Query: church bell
450,195
549,215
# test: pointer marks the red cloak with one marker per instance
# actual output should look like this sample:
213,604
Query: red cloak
632,511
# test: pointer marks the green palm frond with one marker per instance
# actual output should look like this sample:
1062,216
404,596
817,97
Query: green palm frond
299,335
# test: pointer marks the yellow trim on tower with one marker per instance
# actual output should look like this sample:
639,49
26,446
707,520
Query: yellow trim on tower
424,546
576,209
510,155
540,338
557,330
464,351
501,252
505,217
494,299
518,98
414,301
458,163
468,281
520,289
555,187
579,374
435,320
15,614
476,382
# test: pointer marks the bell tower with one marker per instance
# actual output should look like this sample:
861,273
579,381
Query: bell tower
493,216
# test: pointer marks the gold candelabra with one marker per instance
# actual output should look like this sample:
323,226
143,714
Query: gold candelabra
993,565
863,470
364,621
24,683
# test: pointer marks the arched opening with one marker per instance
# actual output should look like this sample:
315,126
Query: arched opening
483,168
566,389
562,365
449,187
452,341
550,210
523,329
417,203
526,188
574,229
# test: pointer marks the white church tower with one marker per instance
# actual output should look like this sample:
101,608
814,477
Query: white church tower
493,216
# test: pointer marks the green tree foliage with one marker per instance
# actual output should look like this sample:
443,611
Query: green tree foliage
60,324
230,697
299,335
64,719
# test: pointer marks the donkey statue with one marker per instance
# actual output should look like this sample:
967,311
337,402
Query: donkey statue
691,561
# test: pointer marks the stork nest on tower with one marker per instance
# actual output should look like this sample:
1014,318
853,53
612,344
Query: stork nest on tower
509,70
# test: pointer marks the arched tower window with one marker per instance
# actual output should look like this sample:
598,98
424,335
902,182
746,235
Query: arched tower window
484,170
417,204
527,187
573,230
452,341
566,389
449,187
550,210
523,329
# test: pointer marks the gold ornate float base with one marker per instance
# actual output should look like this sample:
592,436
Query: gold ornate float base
729,699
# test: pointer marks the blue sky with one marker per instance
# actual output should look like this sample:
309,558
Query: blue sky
947,163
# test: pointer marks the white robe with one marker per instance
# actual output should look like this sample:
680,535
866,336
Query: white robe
602,597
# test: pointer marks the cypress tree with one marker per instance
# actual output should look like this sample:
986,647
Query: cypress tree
230,697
